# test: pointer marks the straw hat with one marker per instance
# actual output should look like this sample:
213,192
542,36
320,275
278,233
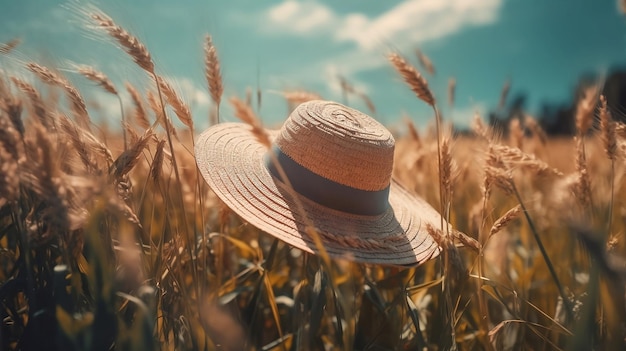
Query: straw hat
338,162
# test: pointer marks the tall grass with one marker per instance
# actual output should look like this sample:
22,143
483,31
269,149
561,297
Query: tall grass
114,241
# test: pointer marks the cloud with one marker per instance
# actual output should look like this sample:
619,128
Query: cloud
300,16
412,21
416,21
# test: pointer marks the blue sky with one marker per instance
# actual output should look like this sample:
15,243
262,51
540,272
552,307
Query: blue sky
541,46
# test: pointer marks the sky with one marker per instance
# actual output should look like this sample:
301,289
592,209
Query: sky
541,46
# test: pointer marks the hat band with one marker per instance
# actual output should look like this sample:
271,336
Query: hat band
325,191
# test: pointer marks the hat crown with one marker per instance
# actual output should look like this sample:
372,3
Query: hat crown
340,144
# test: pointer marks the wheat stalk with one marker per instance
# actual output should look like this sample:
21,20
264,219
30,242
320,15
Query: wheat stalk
584,110
35,100
140,112
514,157
368,102
451,91
157,163
296,97
609,139
78,103
9,46
479,128
129,158
536,129
425,61
97,77
503,221
212,72
157,108
504,93
129,43
516,133
413,133
180,108
607,126
582,188
244,112
413,78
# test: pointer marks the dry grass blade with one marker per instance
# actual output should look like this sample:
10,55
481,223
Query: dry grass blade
503,221
129,43
9,46
140,112
180,108
97,77
607,126
413,78
212,70
244,112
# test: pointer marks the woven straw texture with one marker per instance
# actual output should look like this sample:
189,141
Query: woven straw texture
335,142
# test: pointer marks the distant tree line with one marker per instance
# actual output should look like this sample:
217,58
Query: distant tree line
558,118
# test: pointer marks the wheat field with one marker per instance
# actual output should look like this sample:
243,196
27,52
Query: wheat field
110,239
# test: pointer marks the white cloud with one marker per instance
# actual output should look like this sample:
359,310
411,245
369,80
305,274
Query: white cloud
412,21
299,16
417,21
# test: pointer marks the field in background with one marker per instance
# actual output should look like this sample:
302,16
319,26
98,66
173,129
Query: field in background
112,240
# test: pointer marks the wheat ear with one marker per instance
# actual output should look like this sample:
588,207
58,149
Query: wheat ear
451,91
609,138
129,43
413,78
140,112
503,221
425,61
35,100
244,112
9,46
78,103
213,73
584,110
180,108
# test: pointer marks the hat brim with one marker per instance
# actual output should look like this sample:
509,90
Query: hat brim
231,160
